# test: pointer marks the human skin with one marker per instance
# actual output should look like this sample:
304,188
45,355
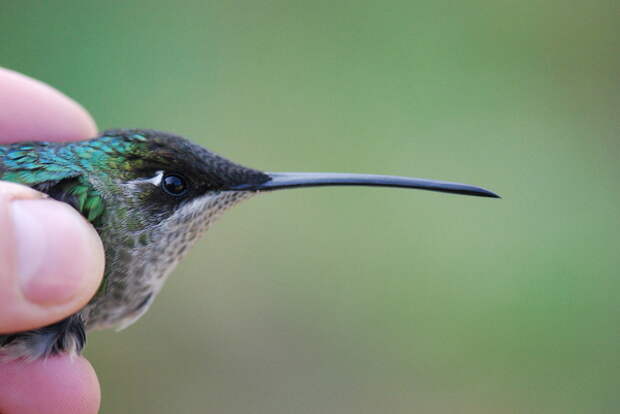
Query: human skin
51,259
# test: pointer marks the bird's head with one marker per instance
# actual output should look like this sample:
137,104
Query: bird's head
161,177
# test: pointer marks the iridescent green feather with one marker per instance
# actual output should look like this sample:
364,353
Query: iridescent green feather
62,170
82,196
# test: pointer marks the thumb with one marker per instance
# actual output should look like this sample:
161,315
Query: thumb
51,259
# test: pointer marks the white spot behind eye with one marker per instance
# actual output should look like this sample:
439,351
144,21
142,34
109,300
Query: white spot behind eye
155,180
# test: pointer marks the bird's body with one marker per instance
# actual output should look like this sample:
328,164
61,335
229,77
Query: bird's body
107,180
149,195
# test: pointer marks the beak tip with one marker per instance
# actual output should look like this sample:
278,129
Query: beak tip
491,194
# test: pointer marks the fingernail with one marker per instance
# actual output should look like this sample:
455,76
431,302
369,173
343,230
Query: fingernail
49,250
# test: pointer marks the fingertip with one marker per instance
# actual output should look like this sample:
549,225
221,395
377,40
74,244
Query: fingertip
53,263
56,385
34,111
58,253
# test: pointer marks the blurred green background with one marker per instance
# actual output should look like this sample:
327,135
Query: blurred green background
362,300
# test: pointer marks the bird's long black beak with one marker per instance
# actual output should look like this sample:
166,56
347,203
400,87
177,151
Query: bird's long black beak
281,181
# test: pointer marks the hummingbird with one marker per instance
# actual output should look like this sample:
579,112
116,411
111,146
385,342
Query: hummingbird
149,195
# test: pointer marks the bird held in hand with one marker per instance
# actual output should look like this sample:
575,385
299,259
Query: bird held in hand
149,195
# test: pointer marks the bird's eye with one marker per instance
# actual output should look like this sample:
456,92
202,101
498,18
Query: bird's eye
173,184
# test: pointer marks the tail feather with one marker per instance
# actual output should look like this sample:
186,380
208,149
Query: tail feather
65,336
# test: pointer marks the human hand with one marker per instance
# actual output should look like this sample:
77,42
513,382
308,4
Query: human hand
51,259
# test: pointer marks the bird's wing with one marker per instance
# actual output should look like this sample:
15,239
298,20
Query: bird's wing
51,169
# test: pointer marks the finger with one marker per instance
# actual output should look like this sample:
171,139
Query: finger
52,259
34,111
58,385
31,110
